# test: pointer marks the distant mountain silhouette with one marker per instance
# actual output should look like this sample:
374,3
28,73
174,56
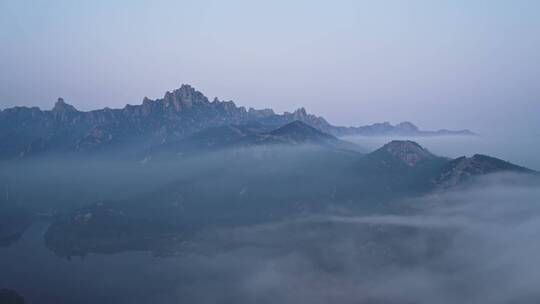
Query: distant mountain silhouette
31,131
401,129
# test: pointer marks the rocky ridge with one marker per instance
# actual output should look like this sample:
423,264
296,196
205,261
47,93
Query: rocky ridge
29,131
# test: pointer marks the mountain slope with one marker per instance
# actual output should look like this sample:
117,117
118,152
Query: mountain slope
406,152
298,132
464,169
399,168
249,135
210,139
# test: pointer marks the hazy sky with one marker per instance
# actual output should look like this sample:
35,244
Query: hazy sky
440,64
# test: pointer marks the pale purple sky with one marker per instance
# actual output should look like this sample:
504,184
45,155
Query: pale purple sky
441,64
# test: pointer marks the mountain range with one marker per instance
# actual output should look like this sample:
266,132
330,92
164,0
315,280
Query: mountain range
180,113
188,163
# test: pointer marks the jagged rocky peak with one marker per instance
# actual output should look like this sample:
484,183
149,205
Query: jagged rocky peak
185,96
408,151
301,111
62,107
298,113
301,114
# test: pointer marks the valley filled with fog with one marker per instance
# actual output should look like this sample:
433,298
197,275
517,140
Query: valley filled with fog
275,223
469,246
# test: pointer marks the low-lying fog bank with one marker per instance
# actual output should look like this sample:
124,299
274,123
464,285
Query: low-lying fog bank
477,245
52,184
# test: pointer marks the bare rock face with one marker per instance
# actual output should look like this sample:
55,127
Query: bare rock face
184,97
63,111
407,151
62,107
